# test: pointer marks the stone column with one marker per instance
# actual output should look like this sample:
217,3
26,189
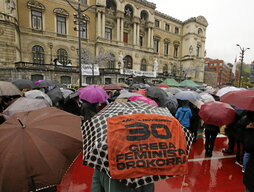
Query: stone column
149,37
121,31
134,33
151,43
138,35
103,25
118,29
99,24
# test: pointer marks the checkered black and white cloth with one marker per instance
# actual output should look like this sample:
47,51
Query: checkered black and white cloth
95,146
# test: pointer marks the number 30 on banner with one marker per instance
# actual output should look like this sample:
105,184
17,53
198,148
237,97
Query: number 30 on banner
142,132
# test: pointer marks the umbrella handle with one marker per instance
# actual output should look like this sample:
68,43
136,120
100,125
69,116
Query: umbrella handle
22,125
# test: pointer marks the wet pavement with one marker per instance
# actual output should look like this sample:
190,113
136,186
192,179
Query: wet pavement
218,173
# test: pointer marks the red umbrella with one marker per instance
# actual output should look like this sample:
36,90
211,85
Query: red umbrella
111,87
163,86
243,99
217,113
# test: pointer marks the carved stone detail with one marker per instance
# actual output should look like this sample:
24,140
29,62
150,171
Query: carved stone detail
61,11
35,5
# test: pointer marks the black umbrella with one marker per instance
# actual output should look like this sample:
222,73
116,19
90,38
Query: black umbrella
24,84
47,83
157,94
55,95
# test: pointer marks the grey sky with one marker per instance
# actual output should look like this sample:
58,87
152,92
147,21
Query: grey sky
230,23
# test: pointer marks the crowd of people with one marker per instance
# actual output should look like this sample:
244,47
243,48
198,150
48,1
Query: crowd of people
239,133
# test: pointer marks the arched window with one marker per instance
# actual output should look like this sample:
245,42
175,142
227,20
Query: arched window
165,68
38,54
128,11
36,77
143,66
127,62
65,80
62,56
111,62
111,7
200,31
144,17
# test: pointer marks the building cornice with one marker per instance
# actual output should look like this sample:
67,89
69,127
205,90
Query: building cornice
200,19
165,16
146,3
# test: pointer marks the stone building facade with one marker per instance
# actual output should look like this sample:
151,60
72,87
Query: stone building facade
38,41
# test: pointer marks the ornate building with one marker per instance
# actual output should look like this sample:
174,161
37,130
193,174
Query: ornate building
38,41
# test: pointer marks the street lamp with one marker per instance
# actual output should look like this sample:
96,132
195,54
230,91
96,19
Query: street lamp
80,17
241,67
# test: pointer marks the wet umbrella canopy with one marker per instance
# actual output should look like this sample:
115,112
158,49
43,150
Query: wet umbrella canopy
93,94
24,104
24,84
99,138
37,148
8,89
217,113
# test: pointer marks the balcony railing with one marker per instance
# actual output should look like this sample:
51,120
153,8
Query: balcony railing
46,67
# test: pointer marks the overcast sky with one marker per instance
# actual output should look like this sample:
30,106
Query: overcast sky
230,22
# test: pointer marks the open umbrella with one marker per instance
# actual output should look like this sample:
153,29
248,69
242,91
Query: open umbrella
37,94
163,86
187,95
172,90
8,89
144,99
227,89
123,85
243,99
24,104
93,94
217,113
122,127
37,148
47,83
111,87
124,94
206,97
157,94
55,95
24,84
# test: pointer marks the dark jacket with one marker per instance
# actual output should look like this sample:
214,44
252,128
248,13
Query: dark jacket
212,128
88,110
248,178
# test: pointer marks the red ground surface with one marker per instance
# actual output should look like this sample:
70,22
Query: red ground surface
216,174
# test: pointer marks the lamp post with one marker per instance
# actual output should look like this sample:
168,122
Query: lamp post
241,67
220,77
80,17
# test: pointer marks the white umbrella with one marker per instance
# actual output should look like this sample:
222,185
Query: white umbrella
225,90
206,97
126,94
36,94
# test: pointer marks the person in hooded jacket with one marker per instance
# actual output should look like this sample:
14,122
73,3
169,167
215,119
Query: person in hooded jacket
184,114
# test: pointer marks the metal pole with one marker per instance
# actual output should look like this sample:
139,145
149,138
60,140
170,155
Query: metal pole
79,46
241,68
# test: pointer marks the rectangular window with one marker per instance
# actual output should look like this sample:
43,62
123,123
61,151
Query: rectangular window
176,30
156,46
83,1
141,41
108,33
61,25
36,20
167,27
166,48
125,37
83,27
157,23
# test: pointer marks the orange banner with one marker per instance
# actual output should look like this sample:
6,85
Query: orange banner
145,144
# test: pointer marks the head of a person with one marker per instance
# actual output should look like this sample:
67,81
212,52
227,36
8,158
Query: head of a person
185,103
